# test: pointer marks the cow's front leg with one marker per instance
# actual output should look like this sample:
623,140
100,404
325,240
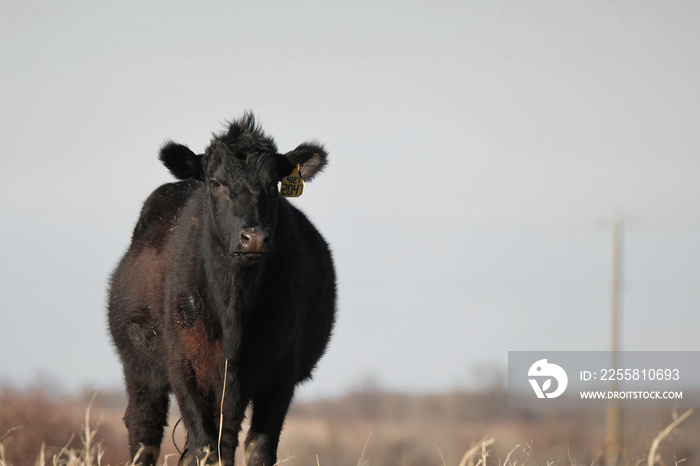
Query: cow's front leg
194,375
213,432
269,412
211,435
230,417
198,416
197,374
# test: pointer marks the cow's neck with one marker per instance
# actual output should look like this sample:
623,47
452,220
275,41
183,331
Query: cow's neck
231,290
230,281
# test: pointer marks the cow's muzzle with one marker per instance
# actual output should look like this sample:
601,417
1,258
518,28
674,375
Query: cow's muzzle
255,240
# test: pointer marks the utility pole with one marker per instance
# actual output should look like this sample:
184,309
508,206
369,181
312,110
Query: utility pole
614,412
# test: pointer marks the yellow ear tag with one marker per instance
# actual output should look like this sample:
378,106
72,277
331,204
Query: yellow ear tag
293,185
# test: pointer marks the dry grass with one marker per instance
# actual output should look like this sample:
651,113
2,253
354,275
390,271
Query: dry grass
88,453
459,429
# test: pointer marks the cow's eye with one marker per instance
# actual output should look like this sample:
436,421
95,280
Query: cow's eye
214,184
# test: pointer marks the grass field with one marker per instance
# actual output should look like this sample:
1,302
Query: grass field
362,428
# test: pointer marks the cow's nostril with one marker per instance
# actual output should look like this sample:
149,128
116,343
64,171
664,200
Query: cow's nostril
254,240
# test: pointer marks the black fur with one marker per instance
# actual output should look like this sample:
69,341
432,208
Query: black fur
311,157
181,161
222,271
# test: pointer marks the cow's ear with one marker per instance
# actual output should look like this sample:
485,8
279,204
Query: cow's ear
310,156
181,161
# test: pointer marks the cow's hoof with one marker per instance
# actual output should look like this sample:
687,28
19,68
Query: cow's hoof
199,458
203,457
146,456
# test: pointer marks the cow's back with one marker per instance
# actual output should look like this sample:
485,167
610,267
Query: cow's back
160,209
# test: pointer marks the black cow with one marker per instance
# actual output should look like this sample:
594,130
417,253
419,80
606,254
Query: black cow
225,297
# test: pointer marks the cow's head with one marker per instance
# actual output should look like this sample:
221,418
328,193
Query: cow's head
241,170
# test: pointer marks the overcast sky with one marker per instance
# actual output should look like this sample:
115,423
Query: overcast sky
479,152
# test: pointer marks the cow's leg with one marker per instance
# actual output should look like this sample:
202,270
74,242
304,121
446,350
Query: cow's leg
146,412
201,414
197,374
269,412
197,411
234,403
